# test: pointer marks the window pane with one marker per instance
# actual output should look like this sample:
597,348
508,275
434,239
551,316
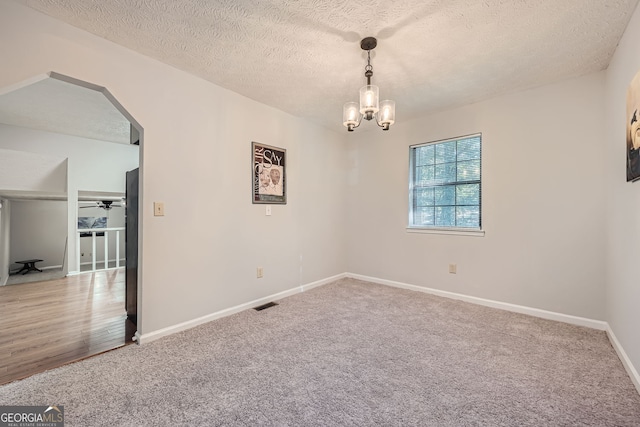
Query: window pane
446,187
424,216
446,152
424,196
468,216
445,172
425,155
469,149
445,195
424,174
468,194
446,216
469,170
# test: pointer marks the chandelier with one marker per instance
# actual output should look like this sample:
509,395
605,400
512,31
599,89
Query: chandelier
369,108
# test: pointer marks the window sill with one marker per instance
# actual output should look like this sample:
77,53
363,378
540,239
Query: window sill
450,231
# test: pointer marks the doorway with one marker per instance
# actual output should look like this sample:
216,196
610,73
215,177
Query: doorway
80,128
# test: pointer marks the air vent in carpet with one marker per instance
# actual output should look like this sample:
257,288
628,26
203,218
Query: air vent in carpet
263,306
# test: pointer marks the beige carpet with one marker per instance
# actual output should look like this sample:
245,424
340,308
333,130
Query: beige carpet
350,353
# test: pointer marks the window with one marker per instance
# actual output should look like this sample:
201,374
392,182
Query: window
445,185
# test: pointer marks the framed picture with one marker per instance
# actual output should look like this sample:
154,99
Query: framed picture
633,129
85,222
268,174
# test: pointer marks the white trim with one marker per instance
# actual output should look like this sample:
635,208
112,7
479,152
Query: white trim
24,83
152,336
451,231
441,141
626,362
544,314
309,286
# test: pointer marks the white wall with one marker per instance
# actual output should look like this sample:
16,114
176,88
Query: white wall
201,256
542,192
38,230
622,200
24,171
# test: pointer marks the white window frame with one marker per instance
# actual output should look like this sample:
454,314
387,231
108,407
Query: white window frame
439,229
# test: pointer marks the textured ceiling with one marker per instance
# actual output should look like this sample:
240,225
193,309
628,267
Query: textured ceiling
304,58
57,106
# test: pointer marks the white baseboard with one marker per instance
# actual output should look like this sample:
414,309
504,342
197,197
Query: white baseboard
550,315
321,282
152,336
626,362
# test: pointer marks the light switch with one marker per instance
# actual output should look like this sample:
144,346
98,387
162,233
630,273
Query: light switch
268,210
158,209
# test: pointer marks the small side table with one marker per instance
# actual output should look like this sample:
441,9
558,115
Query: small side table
28,265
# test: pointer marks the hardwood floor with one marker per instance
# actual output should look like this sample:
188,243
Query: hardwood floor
44,325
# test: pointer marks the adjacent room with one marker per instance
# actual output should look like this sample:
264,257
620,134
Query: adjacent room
66,152
420,213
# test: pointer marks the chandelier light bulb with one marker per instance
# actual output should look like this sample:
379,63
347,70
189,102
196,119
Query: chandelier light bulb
351,115
388,114
369,101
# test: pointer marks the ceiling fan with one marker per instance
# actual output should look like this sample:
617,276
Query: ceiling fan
103,204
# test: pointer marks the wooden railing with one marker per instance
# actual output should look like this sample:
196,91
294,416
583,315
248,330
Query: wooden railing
110,234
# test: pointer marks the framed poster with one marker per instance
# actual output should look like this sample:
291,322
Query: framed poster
85,222
268,174
633,129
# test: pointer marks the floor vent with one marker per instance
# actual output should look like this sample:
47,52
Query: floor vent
263,306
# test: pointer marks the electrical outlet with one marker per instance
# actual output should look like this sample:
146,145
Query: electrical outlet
259,272
453,268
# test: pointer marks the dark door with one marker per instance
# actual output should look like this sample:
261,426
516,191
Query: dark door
131,239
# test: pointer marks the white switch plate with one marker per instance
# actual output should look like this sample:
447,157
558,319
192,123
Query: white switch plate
259,272
268,210
158,209
453,268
